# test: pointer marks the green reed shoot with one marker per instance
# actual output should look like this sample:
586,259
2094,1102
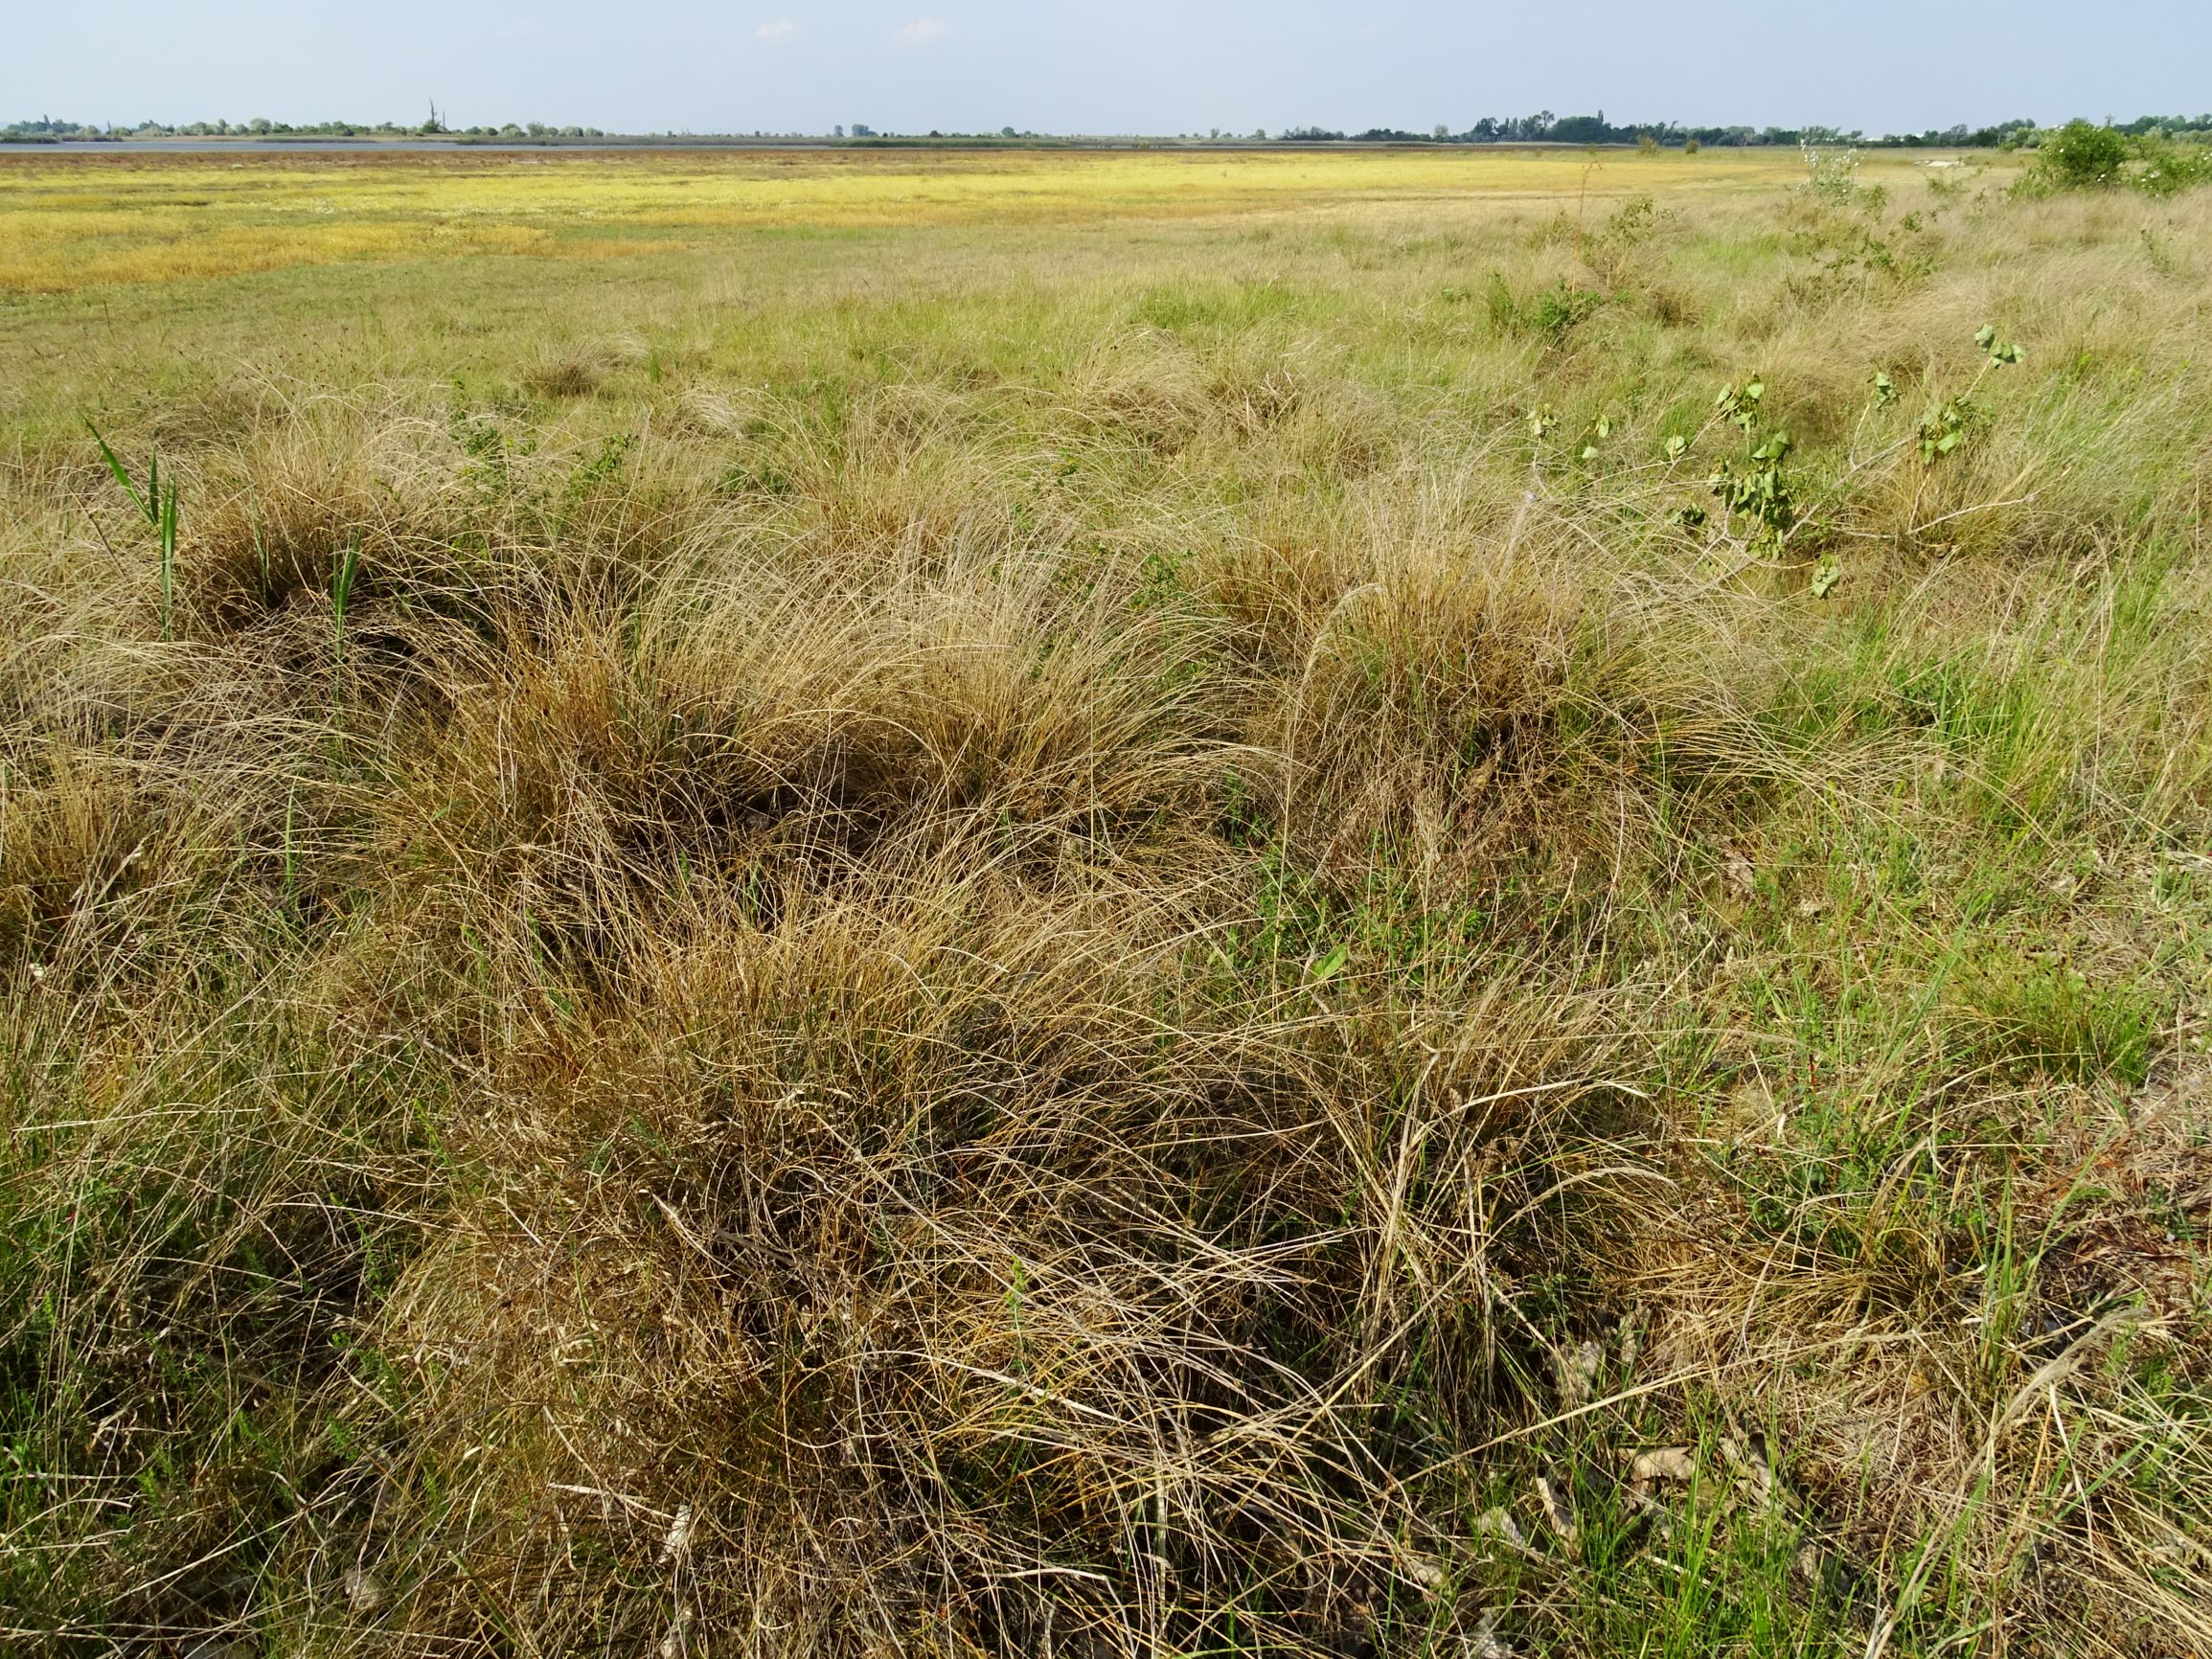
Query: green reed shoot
157,505
342,574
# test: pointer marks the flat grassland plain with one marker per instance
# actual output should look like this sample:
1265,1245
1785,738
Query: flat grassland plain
1102,904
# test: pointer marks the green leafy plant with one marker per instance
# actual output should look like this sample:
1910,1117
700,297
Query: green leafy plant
1948,420
2000,351
2169,168
1759,488
1610,250
1832,179
1741,407
157,505
596,478
1943,429
1550,314
2081,155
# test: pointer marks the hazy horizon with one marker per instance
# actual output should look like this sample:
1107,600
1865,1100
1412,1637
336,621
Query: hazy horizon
1143,67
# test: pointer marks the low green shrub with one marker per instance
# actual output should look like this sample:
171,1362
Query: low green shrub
2169,168
2081,155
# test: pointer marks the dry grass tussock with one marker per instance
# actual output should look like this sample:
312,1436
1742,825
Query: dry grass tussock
1092,980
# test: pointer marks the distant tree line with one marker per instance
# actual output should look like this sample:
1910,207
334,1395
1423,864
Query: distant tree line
47,129
1541,127
1545,127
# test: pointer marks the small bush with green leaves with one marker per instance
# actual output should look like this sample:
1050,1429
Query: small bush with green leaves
2081,155
1831,178
2169,168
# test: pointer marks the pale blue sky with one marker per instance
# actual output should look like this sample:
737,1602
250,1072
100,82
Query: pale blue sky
1133,66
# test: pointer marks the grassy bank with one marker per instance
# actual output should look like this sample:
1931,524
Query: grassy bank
1040,905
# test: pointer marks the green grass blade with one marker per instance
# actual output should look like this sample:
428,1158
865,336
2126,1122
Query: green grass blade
168,529
144,506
